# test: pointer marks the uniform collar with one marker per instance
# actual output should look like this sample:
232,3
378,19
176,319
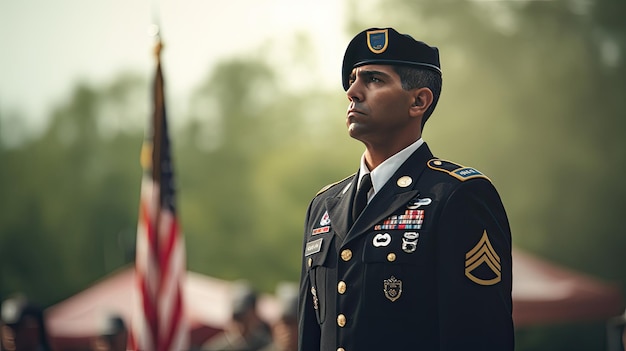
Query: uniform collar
381,174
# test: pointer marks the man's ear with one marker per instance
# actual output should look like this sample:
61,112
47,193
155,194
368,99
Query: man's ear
422,99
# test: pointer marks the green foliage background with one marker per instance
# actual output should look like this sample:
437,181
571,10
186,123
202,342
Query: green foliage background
533,97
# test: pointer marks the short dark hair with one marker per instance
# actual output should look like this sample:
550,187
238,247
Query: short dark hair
412,78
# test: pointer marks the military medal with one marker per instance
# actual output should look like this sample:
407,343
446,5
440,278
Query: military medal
409,242
416,203
410,219
381,239
321,230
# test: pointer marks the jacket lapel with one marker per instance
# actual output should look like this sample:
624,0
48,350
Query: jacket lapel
339,206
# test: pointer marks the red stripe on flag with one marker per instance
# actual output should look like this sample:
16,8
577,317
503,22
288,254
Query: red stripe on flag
149,307
148,296
166,252
176,318
131,344
151,234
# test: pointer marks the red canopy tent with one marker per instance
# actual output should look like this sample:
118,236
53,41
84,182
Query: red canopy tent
74,322
543,293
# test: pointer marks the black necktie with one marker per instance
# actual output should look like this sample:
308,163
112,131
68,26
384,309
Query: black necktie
360,199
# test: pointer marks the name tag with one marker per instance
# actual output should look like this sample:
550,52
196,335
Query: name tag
312,247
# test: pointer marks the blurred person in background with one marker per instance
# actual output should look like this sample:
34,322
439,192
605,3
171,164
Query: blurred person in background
246,331
113,335
616,333
285,328
412,252
23,327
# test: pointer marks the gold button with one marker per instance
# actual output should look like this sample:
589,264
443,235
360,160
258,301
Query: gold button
341,287
341,349
346,255
391,257
438,163
341,320
310,262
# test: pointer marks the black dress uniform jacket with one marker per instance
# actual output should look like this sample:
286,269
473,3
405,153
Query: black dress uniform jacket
427,265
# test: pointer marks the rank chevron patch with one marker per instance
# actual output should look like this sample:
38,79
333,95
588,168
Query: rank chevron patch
483,255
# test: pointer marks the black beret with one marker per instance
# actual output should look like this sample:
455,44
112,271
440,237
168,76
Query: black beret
388,47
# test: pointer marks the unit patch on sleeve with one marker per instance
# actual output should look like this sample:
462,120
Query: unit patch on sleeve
457,171
482,263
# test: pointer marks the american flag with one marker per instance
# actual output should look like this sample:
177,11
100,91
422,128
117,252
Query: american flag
159,322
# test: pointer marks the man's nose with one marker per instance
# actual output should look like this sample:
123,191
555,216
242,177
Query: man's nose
354,92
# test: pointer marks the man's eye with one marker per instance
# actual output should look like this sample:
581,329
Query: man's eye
375,80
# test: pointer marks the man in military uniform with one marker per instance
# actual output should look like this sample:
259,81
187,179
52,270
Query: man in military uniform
426,265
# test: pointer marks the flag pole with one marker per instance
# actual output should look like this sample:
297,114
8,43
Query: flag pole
157,194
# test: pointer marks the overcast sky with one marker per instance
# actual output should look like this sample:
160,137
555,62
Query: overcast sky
47,46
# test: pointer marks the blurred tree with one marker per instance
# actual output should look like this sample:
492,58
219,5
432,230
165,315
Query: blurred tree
70,197
248,168
221,175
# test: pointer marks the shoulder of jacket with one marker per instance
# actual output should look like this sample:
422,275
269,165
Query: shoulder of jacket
329,186
455,170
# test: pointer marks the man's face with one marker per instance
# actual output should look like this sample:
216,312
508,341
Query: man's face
378,113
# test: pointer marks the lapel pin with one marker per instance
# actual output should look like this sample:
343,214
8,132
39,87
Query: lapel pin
404,181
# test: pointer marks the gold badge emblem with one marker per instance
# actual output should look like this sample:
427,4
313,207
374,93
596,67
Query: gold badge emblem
483,255
393,288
